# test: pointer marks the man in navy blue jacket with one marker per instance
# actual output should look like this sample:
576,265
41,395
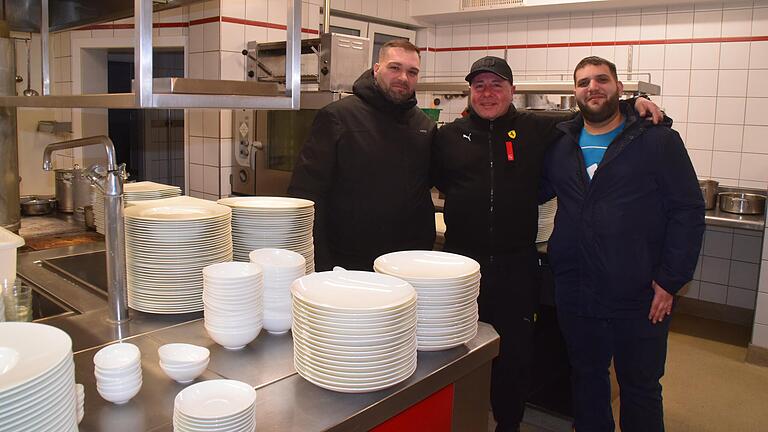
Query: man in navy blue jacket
627,235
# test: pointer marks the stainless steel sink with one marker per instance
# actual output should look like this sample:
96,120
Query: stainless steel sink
44,307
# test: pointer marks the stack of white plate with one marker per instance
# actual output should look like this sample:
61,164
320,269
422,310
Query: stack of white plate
281,267
272,222
546,220
168,243
37,379
234,309
354,331
448,286
215,405
139,191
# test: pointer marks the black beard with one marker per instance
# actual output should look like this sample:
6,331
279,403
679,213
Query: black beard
608,110
393,97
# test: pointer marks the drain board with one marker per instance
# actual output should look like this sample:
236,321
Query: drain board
88,269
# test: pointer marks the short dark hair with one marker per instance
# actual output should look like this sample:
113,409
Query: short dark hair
595,61
405,44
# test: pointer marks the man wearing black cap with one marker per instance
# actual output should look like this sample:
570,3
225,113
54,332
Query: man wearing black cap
488,165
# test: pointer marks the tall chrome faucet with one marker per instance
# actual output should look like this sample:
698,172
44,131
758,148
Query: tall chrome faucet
112,186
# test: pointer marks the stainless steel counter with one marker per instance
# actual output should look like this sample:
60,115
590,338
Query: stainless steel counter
285,401
717,217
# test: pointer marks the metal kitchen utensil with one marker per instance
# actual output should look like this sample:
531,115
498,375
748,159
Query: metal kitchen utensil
64,190
36,206
742,203
29,90
709,193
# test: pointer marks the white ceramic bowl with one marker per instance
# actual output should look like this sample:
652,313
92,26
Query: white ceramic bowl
233,340
121,396
182,354
117,356
271,258
116,379
231,270
277,324
214,399
352,292
426,266
185,374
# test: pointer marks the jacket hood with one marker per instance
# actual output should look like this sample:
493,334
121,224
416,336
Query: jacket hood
573,127
365,88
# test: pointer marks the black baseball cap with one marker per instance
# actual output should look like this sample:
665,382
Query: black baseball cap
491,64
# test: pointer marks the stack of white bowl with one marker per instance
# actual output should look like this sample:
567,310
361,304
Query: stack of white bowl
233,303
272,222
118,372
215,405
167,244
80,402
448,285
547,213
281,267
37,379
354,331
132,192
183,362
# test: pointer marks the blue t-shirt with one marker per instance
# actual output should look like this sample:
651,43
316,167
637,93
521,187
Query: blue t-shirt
593,147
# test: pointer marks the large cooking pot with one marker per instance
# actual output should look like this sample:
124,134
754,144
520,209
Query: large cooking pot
709,193
36,206
64,190
741,203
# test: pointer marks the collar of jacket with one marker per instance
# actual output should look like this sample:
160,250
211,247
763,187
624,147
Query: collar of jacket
484,124
632,123
365,88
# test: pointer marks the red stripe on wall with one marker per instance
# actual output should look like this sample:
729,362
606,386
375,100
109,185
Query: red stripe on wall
603,43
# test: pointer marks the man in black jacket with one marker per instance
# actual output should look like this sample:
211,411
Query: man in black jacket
488,165
366,167
628,231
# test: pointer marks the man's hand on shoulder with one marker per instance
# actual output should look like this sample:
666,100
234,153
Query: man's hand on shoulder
646,108
661,306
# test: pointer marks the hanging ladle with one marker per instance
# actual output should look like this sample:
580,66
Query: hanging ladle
29,91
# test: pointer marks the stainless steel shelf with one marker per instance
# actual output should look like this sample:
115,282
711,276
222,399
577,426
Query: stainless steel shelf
536,87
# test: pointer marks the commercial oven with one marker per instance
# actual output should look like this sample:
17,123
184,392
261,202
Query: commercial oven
265,143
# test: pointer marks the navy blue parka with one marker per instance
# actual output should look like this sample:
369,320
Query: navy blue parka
640,219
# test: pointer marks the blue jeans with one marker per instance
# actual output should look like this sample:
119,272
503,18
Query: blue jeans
639,351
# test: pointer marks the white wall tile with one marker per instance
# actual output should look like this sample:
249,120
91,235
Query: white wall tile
628,27
715,270
581,29
757,83
606,52
575,54
225,152
384,9
726,164
680,25
675,82
743,275
705,56
442,63
728,137
755,140
714,293
730,110
536,59
760,22
604,29
256,10
718,242
211,178
233,8
232,37
211,152
653,26
676,107
538,31
651,56
701,110
700,136
707,24
478,35
460,62
211,65
734,55
196,150
762,285
557,60
761,311
622,57
211,123
253,33
226,185
226,123
195,117
443,36
737,22
516,59
232,66
760,335
677,56
517,32
355,6
755,114
754,167
682,130
196,66
703,82
558,31
758,55
747,248
196,177
212,8
277,11
741,298
732,83
211,36
691,289
460,36
497,34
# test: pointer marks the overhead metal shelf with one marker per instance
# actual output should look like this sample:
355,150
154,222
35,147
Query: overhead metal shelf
536,87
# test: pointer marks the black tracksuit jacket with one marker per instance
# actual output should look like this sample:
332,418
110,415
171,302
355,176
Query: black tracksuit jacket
366,167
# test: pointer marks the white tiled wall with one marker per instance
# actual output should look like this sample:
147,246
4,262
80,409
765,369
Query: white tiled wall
760,330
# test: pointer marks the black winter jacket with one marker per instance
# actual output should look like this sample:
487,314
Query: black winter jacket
640,219
491,202
366,167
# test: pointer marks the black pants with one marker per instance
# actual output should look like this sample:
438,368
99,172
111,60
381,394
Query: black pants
509,298
638,349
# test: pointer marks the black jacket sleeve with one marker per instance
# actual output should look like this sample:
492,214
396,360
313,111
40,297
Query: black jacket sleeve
684,208
313,178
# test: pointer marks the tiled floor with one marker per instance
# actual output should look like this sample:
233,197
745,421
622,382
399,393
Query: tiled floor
707,387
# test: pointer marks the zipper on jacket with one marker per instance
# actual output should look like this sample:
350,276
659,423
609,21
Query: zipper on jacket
490,209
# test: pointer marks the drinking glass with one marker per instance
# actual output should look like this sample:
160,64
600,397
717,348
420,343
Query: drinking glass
17,299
